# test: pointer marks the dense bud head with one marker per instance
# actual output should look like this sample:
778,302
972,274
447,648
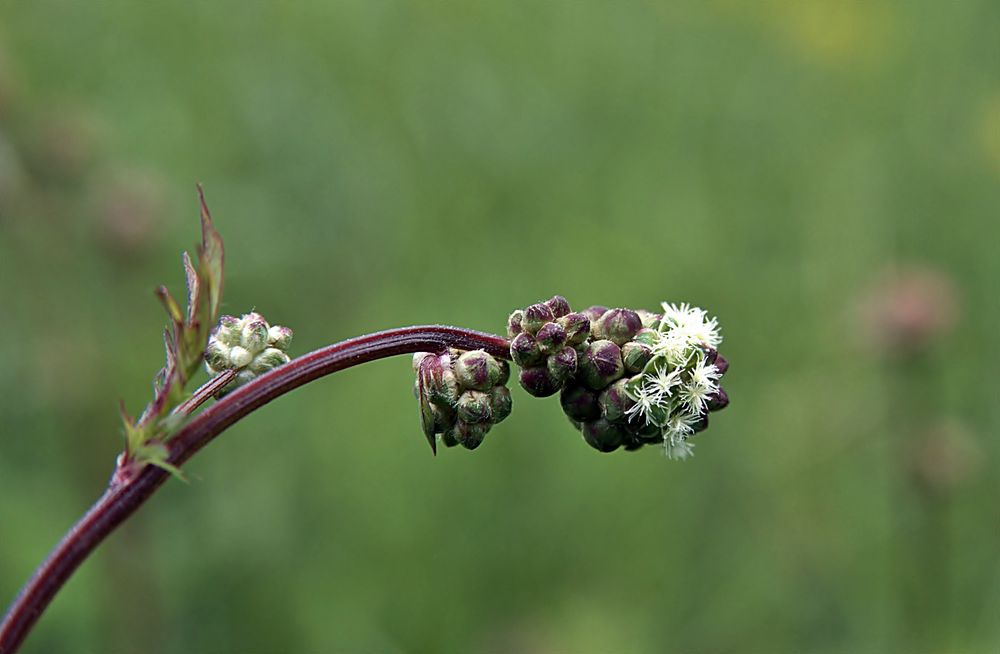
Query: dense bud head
559,306
239,357
500,403
635,356
615,402
270,358
718,401
474,407
603,436
279,337
477,369
514,323
576,326
594,313
617,326
562,364
535,316
550,337
538,381
254,336
525,351
579,403
601,364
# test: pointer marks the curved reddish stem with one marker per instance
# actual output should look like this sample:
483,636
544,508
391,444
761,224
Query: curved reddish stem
124,497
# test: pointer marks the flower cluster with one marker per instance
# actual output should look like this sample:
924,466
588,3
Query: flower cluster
247,344
627,378
462,395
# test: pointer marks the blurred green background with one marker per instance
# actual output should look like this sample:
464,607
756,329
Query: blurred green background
823,176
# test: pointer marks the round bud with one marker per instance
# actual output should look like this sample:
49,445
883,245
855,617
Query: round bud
524,350
538,382
279,337
448,438
504,372
701,424
243,377
217,355
228,330
444,418
718,401
474,407
469,436
500,403
595,312
576,326
535,316
603,435
601,364
239,357
514,323
649,319
270,358
635,356
550,337
558,305
618,326
439,380
614,402
477,369
579,403
647,337
562,364
721,364
254,336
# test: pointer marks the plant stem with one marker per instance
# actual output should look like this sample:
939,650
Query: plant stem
122,499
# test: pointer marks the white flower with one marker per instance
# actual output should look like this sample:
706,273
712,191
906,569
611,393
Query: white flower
678,450
662,383
673,346
691,322
645,400
701,385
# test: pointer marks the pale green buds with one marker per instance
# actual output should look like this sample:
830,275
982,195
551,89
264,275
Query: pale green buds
462,395
248,345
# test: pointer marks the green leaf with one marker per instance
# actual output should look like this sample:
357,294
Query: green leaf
211,255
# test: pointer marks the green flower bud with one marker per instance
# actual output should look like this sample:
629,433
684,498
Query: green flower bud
617,326
579,403
477,369
562,364
254,336
525,351
474,407
468,435
535,316
444,418
439,381
514,323
228,330
538,382
270,358
576,326
614,402
635,356
216,356
647,337
550,337
279,337
239,357
601,364
500,403
448,438
504,372
243,377
603,435
649,319
558,305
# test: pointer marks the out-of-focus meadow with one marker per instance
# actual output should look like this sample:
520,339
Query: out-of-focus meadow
823,176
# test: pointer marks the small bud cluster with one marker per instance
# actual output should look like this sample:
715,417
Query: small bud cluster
627,378
462,395
247,344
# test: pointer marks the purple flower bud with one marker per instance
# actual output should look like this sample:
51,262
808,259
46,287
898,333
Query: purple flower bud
558,305
562,364
477,369
504,372
524,350
576,326
550,337
535,316
468,435
579,403
601,364
595,312
618,326
474,407
538,381
701,425
614,402
603,435
722,364
514,323
635,356
719,400
500,403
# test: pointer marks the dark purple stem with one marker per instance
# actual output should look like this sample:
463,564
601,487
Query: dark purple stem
122,499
